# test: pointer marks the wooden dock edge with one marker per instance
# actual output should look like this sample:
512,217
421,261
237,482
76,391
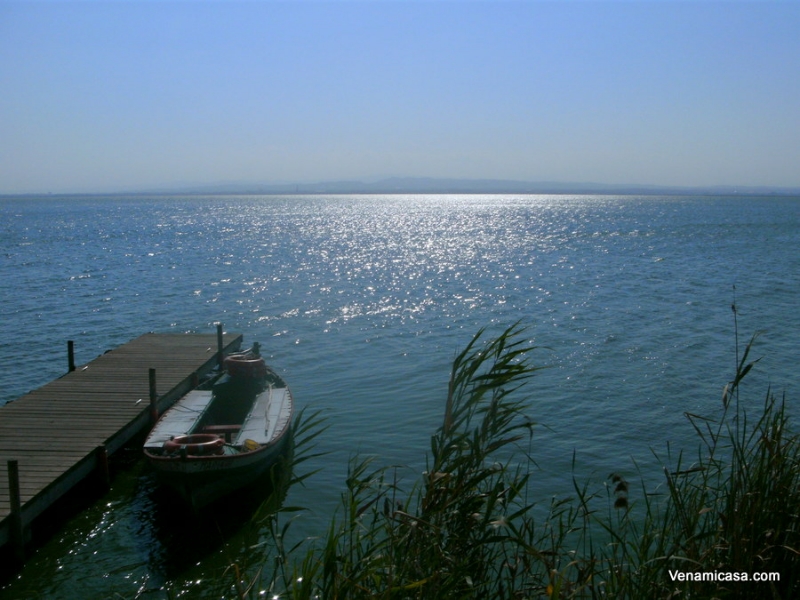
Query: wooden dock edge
15,528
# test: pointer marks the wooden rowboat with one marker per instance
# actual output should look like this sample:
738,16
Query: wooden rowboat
224,434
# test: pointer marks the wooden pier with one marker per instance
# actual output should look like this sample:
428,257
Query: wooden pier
54,437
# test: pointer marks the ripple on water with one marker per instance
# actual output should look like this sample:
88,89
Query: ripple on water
362,302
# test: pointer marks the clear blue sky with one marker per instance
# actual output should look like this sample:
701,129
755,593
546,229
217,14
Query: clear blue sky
103,96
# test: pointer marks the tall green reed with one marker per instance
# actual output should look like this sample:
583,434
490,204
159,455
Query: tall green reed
458,531
730,513
466,528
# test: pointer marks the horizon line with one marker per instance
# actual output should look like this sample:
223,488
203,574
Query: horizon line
425,185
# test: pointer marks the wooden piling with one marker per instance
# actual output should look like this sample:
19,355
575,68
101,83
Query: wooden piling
71,355
17,532
102,466
220,353
153,396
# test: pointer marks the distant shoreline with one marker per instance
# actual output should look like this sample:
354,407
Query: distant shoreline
432,186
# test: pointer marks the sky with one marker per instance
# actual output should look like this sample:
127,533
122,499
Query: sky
123,95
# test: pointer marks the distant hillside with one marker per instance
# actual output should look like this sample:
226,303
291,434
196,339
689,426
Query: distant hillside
428,185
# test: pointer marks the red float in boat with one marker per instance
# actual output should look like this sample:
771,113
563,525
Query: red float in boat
248,364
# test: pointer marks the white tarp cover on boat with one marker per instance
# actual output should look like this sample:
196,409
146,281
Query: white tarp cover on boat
180,419
270,415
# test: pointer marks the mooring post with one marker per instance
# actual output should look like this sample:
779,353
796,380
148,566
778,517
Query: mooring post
102,466
71,355
17,533
220,357
153,397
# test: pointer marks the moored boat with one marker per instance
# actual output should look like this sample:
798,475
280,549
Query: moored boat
225,433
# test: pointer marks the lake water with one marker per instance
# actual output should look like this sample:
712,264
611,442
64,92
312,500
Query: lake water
361,302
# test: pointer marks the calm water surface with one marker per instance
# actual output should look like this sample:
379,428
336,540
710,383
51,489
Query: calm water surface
361,303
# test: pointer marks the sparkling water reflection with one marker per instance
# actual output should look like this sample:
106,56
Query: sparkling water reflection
361,303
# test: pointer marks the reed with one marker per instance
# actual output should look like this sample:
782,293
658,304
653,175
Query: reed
466,528
731,512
